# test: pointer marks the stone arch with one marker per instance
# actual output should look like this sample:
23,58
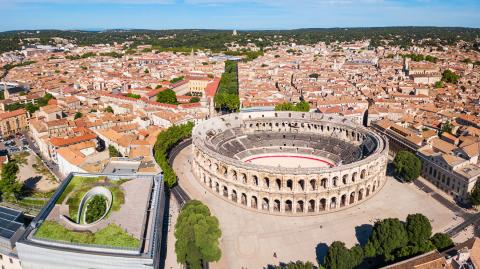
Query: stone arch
244,178
363,174
278,183
225,191
217,187
313,184
234,196
224,171
255,180
368,191
343,200
354,176
253,201
288,206
266,182
373,186
243,199
335,181
234,175
210,183
352,198
301,184
360,195
344,179
323,182
300,206
311,206
290,184
333,202
265,204
276,205
323,204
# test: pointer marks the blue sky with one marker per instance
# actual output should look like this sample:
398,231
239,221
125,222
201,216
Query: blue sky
234,14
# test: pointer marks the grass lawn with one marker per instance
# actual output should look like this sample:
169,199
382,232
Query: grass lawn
78,186
112,235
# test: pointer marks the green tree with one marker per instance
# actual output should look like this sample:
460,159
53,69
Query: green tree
438,84
474,196
195,100
407,165
446,127
418,228
441,241
109,109
450,77
302,106
165,141
78,115
387,236
167,97
296,265
177,79
113,152
9,186
96,208
197,233
132,95
340,257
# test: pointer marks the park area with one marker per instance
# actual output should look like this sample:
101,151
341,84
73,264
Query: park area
98,211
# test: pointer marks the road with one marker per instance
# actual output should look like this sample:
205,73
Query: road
51,166
180,195
469,218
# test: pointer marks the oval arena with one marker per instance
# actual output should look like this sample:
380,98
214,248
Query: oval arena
289,162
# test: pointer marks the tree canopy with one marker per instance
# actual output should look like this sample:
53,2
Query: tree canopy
167,97
295,265
340,257
165,141
197,233
418,228
441,241
113,151
301,106
226,97
475,194
450,76
9,186
387,236
78,115
407,165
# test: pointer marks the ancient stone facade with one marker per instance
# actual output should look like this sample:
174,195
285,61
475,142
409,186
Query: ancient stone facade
285,191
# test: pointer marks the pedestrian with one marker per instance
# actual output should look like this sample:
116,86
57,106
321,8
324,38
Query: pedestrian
274,254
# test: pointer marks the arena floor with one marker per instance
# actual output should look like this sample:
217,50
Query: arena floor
250,238
289,160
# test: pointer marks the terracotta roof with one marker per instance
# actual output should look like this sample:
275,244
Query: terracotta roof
13,113
212,87
62,142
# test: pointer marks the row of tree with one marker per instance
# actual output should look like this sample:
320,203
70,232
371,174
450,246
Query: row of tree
420,57
287,106
197,233
31,108
391,241
166,140
226,98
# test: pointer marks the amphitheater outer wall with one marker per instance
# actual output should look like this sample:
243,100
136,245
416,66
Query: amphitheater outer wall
288,191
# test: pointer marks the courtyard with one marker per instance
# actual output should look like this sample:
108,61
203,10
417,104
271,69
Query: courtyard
249,239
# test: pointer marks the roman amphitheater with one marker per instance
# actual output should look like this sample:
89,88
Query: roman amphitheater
289,163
